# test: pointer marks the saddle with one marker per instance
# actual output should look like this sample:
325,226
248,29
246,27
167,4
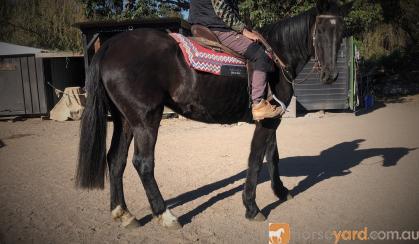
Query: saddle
207,38
204,52
210,56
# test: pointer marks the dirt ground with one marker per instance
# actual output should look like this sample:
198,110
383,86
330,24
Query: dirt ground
345,171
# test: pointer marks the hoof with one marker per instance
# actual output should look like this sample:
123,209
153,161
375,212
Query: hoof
289,197
131,223
168,220
258,218
127,219
117,213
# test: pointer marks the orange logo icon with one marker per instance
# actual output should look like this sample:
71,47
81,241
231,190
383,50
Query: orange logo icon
279,233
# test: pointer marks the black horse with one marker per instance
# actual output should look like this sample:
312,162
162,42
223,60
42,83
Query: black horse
135,74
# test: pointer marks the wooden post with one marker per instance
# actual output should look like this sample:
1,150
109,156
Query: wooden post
89,41
97,45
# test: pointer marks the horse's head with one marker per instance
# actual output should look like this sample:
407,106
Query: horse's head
327,37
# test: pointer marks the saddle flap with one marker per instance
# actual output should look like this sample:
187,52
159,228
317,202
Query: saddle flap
204,32
207,38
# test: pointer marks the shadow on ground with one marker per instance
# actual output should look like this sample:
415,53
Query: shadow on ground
333,162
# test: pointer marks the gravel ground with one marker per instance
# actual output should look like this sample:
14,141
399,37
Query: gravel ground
346,172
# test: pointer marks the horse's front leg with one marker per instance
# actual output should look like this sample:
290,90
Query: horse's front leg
257,151
272,157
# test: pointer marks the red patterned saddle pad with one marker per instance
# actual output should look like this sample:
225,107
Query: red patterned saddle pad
204,59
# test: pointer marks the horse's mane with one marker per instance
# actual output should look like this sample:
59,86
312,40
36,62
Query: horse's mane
292,33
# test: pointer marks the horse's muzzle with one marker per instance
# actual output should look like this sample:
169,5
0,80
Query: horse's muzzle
327,77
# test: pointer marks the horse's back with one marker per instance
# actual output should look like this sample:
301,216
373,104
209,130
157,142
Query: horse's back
139,47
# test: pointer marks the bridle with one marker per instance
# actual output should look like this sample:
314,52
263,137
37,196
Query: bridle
282,66
322,16
317,65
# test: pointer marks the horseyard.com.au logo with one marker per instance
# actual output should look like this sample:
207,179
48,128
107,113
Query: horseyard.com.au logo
279,233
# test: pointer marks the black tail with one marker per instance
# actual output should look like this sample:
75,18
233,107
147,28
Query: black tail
91,166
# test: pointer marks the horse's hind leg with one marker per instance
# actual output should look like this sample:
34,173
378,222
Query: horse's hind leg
145,134
117,160
272,157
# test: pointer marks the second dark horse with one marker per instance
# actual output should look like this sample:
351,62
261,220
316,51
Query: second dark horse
135,74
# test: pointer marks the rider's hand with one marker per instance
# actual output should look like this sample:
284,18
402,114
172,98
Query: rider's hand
252,36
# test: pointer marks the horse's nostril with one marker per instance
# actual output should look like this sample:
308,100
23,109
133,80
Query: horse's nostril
335,76
322,75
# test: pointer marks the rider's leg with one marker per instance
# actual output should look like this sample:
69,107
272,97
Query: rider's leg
262,64
255,53
258,86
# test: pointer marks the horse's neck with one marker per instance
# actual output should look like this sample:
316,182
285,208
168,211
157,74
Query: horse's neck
295,48
293,55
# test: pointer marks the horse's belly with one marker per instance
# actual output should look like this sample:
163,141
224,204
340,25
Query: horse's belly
213,99
202,113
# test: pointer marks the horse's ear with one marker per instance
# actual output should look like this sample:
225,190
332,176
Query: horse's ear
346,8
324,5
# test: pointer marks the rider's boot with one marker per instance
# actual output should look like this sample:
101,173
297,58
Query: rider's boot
264,110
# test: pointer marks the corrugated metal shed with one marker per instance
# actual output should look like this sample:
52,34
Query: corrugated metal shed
22,90
312,94
8,49
25,73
